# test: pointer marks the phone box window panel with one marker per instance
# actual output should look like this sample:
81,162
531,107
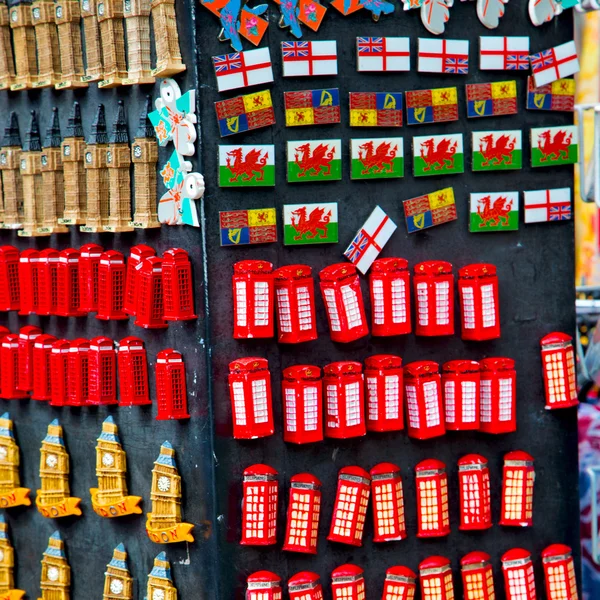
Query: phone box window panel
59,373
111,286
340,287
497,396
350,507
432,499
251,399
27,337
344,400
78,373
132,365
304,509
519,579
42,367
9,359
28,281
263,585
9,278
89,264
348,583
460,386
388,503
479,306
253,295
259,506
517,490
171,390
178,286
149,295
295,297
384,390
137,254
559,573
435,574
302,392
389,283
47,282
102,371
474,485
68,284
434,295
477,576
423,394
558,363
305,586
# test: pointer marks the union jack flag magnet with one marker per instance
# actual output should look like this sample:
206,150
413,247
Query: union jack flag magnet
305,59
382,54
443,56
243,69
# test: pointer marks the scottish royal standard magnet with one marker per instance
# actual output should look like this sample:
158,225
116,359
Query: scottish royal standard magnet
430,210
497,150
558,95
377,158
244,113
242,227
310,224
552,146
247,165
312,107
431,106
375,109
314,160
494,211
491,99
438,154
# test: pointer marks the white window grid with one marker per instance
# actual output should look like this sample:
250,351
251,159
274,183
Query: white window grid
378,302
469,401
432,404
397,591
474,498
290,410
255,502
284,312
557,583
422,304
488,305
468,308
392,396
351,307
398,301
241,304
505,405
332,310
332,393
353,412
311,408
442,302
305,320
519,584
485,400
429,504
262,306
412,402
298,526
514,494
571,375
346,511
450,401
385,509
372,399
260,401
555,373
239,404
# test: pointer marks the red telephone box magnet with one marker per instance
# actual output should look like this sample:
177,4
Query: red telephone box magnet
295,297
149,294
389,283
305,586
497,396
251,401
68,284
518,477
102,371
558,363
350,506
78,373
178,286
263,585
136,255
132,365
519,579
348,583
424,406
42,367
171,390
304,509
477,576
9,279
474,486
253,295
27,337
435,574
432,499
434,298
89,262
384,390
111,287
388,503
28,281
400,584
9,367
259,506
47,282
559,573
479,306
460,385
59,373
302,394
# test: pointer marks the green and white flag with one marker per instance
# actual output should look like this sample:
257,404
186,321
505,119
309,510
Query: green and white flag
497,150
377,158
247,165
310,224
438,154
314,160
494,211
554,146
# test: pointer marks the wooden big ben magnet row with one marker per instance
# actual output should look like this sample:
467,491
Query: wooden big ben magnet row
110,498
137,21
54,499
110,17
144,155
67,15
56,573
166,36
11,492
93,47
46,40
118,582
160,584
164,524
12,188
7,564
23,44
7,62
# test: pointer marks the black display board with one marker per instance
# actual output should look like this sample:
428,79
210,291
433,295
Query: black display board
535,267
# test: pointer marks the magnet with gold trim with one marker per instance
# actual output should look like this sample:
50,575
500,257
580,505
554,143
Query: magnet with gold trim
56,572
11,492
7,564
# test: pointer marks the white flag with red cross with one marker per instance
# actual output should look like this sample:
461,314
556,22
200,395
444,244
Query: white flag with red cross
243,69
303,59
547,205
556,63
382,54
443,56
503,53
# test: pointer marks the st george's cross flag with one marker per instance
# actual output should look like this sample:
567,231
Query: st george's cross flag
547,205
303,59
370,240
443,56
503,53
382,54
555,63
243,69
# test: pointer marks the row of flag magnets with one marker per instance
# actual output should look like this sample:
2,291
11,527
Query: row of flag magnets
392,54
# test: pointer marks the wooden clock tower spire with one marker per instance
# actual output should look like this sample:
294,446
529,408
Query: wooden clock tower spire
12,188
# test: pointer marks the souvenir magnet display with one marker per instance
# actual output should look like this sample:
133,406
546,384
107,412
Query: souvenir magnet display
554,146
400,582
434,297
93,45
384,390
68,284
78,373
244,113
7,61
7,565
23,45
54,499
149,305
477,576
497,150
241,70
137,24
178,286
164,524
375,109
389,284
347,581
498,396
519,578
246,165
111,284
9,278
117,579
424,404
137,255
435,574
307,12
479,305
547,205
443,56
263,585
559,573
557,96
310,224
171,390
305,586
28,278
132,366
438,155
12,185
553,64
491,99
166,38
494,211
517,490
112,36
241,227
68,21
48,282
382,54
259,506
160,582
59,373
431,106
474,486
388,503
302,394
55,580
312,107
350,506
430,210
460,387
304,508
503,53
314,160
110,498
558,365
375,7
308,59
11,492
27,336
542,11
9,362
432,499
102,372
46,41
42,383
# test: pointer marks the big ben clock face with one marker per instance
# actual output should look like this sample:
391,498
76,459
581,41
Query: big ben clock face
116,586
51,461
158,594
164,484
52,574
108,460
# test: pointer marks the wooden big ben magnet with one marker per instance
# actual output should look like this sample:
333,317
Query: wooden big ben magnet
67,15
166,36
46,40
93,47
52,178
7,565
7,61
11,492
23,44
56,574
12,188
118,161
73,150
164,524
31,174
118,582
54,499
110,498
144,155
96,176
160,583
137,22
110,17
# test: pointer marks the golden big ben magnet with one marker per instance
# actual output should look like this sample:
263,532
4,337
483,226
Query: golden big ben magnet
160,583
56,572
7,564
11,492
118,582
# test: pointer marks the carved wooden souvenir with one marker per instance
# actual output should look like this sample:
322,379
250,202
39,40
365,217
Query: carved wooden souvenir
302,393
112,35
110,498
400,584
46,40
348,582
259,506
438,154
244,113
382,54
310,224
7,61
7,565
432,499
435,575
263,585
93,45
555,63
477,576
160,584
68,15
304,508
166,37
497,150
503,53
431,106
375,109
144,156
23,45
12,185
97,177
491,99
243,69
52,179
164,524
54,499
519,578
118,582
517,490
559,573
56,573
137,22
556,96
389,523
552,146
305,586
31,175
377,158
312,107
450,57
11,492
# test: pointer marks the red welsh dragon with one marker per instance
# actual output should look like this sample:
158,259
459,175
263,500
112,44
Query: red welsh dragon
441,155
250,167
309,226
320,160
554,147
377,159
493,215
498,151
